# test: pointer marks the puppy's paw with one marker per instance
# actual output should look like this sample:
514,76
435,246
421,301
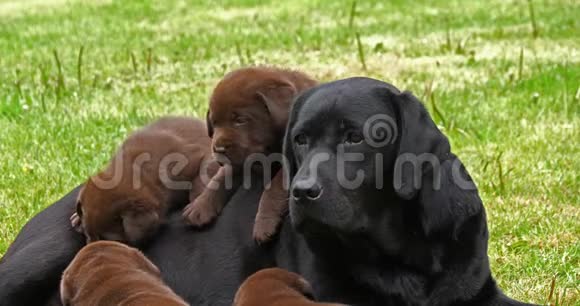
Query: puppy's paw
265,229
198,215
75,222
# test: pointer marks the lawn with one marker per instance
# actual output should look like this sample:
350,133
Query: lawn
501,79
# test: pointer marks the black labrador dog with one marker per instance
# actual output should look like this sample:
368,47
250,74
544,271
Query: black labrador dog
377,191
381,213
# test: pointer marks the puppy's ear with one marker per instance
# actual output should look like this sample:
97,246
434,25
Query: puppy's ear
65,289
208,125
305,288
139,222
426,171
145,264
277,98
290,165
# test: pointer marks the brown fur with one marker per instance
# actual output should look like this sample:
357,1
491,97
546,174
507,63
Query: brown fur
275,287
247,114
128,212
111,273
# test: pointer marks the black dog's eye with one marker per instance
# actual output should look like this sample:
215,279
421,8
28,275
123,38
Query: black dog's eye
353,138
300,139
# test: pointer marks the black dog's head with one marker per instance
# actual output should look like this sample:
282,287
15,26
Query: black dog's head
366,160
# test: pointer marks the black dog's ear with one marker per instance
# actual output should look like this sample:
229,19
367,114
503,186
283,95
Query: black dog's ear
427,172
277,98
208,124
419,139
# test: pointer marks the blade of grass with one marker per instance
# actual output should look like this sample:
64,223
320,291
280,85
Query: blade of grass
249,56
500,172
18,83
563,296
352,14
428,91
361,52
60,76
551,293
436,110
448,42
240,54
566,87
462,44
521,64
80,68
149,60
43,100
535,32
134,62
95,80
44,82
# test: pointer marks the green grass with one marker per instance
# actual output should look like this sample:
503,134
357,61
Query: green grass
508,101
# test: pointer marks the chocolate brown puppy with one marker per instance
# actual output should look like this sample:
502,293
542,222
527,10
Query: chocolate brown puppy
276,287
111,273
247,115
157,165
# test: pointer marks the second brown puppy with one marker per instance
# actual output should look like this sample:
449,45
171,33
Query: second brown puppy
111,273
276,287
154,169
247,115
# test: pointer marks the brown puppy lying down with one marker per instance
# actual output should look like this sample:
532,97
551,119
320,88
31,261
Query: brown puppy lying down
155,167
276,287
247,115
111,273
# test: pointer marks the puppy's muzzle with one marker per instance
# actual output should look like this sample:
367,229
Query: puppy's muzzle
306,189
220,155
220,149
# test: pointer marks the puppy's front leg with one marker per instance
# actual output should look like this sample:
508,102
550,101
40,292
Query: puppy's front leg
209,204
273,206
198,184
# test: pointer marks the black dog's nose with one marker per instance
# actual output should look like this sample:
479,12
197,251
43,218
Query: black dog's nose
306,189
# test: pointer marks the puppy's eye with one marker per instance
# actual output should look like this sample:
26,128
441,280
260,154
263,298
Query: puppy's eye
300,139
240,120
354,138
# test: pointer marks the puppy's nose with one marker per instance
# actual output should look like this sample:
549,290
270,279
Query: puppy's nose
306,189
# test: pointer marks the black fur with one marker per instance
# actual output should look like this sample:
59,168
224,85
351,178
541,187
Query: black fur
411,245
420,237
